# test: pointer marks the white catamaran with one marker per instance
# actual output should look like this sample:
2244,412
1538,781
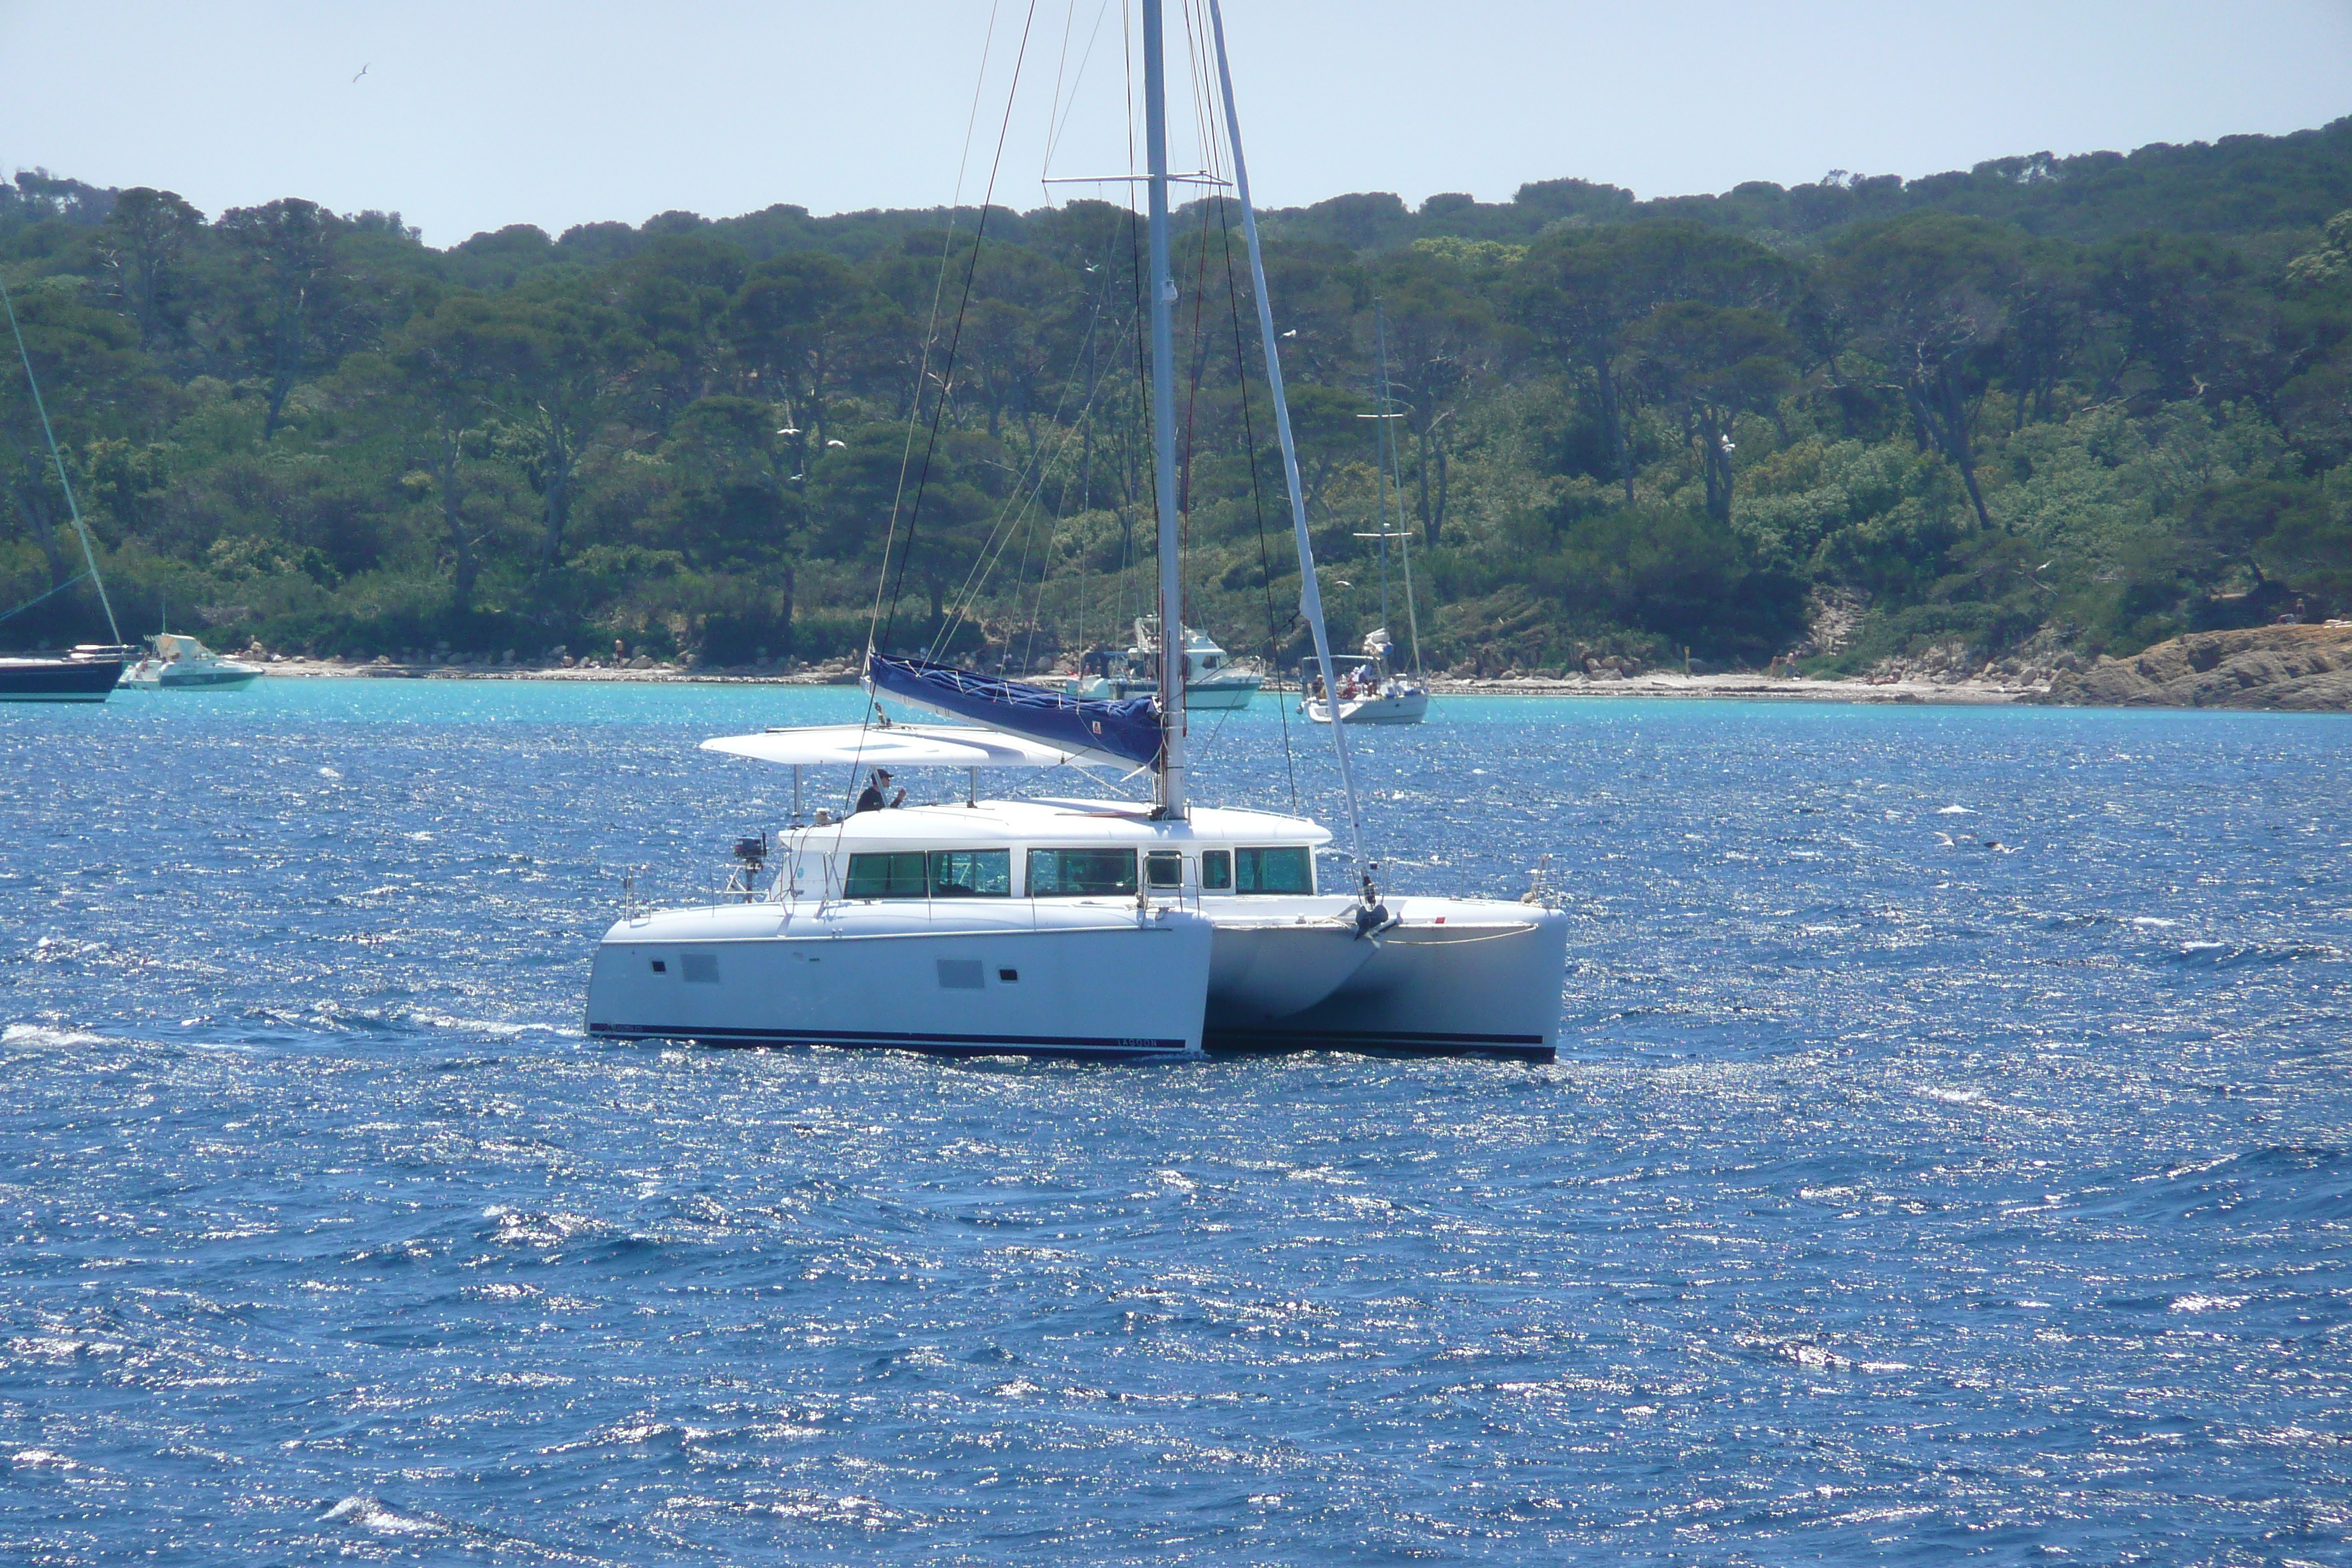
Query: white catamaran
1080,927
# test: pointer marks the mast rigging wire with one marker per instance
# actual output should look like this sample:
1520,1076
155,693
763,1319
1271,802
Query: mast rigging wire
930,335
73,507
955,343
1310,593
1257,500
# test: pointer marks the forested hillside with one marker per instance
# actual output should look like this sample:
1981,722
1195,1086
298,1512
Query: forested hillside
2087,403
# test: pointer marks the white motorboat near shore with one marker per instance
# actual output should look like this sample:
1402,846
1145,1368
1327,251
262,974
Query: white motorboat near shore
1213,682
175,662
1078,927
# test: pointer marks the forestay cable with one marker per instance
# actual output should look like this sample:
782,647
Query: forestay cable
73,507
1310,593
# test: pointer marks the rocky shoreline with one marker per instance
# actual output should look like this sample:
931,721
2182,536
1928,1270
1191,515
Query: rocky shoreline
2282,668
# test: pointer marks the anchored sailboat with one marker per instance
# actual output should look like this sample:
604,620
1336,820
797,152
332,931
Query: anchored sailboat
1076,926
1375,691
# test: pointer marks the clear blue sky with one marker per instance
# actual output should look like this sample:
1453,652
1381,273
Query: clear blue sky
472,116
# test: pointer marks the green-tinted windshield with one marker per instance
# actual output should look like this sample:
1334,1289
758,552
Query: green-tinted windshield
1081,873
971,873
894,876
1289,869
939,874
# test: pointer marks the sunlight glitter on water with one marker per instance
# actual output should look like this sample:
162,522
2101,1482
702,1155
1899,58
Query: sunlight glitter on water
1891,1196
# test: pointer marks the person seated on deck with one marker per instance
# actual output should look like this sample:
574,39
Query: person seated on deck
870,798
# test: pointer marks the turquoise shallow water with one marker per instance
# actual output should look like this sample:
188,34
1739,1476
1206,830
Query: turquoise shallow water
1894,1199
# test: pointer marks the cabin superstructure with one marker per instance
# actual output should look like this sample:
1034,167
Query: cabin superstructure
1031,849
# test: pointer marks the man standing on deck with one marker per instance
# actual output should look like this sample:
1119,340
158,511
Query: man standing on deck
870,799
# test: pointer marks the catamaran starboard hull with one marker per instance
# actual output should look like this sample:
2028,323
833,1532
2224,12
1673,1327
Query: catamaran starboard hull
1451,977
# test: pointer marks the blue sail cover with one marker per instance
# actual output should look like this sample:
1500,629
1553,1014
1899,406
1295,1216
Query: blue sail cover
1128,730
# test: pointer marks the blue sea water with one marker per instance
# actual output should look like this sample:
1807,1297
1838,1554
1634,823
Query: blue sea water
1896,1198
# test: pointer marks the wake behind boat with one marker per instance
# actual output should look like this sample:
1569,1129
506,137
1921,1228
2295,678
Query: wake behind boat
1077,927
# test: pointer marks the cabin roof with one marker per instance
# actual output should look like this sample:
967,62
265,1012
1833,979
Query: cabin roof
1074,822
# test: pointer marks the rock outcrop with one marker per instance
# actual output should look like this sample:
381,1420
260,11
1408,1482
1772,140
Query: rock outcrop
2307,669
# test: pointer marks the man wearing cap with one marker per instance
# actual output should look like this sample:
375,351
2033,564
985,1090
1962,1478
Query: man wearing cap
871,798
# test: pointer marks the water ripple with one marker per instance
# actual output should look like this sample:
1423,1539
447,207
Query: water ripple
1895,1196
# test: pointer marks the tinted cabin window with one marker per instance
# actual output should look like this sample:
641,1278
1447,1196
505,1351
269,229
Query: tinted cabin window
1164,869
888,876
1288,870
1080,873
1217,870
971,873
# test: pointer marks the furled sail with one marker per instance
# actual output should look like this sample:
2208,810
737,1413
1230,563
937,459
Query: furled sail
1124,732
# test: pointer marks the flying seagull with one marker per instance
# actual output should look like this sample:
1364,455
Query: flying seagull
362,70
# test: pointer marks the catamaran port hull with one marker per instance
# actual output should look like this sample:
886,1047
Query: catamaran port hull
1074,979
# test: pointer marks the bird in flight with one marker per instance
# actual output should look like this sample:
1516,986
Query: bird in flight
362,70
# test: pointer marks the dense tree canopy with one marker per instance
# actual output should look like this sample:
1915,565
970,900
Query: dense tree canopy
2089,402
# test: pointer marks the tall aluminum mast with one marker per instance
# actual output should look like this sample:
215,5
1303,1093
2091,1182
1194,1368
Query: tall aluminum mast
1164,423
1395,487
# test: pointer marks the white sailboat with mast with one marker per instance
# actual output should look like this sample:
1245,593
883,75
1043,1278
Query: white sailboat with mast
1376,692
1077,926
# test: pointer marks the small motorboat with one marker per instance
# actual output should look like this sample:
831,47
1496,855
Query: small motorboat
177,662
1212,680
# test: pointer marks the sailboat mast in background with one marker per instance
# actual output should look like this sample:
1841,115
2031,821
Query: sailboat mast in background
1393,485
